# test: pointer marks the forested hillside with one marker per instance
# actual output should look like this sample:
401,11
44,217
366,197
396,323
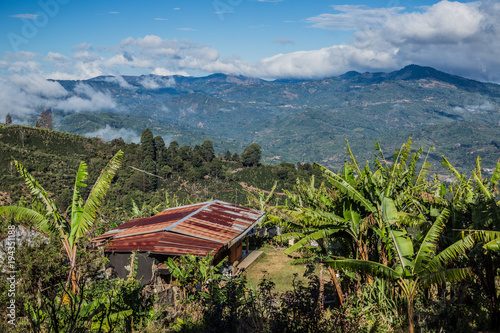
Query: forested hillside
298,120
149,171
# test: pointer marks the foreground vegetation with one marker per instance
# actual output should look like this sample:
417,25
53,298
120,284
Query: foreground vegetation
398,248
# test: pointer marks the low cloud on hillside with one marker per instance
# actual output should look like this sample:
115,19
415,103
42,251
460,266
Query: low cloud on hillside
109,133
27,95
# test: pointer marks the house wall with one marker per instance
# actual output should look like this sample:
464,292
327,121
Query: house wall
119,260
236,252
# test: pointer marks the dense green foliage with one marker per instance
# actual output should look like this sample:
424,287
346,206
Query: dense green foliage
251,155
409,249
389,221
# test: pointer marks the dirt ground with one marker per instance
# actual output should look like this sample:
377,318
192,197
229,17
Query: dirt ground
276,266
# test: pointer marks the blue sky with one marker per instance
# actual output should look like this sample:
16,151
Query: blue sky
76,39
243,27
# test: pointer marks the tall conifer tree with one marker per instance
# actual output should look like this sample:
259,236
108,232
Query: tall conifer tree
148,144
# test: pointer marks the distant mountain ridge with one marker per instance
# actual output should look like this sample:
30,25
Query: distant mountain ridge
304,120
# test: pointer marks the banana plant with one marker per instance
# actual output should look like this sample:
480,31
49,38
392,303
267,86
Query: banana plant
82,215
189,270
475,206
417,264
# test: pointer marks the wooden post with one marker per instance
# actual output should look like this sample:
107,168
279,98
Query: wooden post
338,288
248,245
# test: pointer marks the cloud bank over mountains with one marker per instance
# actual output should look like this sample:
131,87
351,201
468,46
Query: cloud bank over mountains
459,38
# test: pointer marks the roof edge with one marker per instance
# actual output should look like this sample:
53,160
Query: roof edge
240,236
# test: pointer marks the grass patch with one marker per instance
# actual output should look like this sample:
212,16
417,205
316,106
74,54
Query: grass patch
277,266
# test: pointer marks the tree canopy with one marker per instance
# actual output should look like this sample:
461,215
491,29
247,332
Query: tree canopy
251,155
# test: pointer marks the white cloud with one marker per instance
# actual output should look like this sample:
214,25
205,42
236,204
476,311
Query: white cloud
165,72
461,38
452,36
160,19
25,95
284,41
26,16
53,56
82,47
109,133
86,56
86,98
155,82
24,67
443,23
21,55
36,85
120,81
352,17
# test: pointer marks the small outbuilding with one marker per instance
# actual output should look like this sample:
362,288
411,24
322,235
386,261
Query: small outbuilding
197,229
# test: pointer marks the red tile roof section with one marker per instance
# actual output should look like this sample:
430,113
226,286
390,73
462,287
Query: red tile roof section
198,229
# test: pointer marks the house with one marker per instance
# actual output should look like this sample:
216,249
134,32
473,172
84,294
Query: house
197,229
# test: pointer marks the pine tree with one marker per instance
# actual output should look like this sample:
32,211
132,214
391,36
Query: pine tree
185,153
207,151
148,145
161,151
8,119
150,182
227,157
172,150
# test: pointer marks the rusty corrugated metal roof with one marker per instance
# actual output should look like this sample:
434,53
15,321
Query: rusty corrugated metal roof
196,229
163,243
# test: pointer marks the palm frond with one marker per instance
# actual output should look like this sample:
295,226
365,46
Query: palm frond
450,253
365,266
353,159
446,275
481,187
460,178
289,235
28,216
477,169
490,238
402,245
406,150
328,217
496,173
493,245
391,180
424,170
346,188
428,247
77,202
41,195
96,196
308,238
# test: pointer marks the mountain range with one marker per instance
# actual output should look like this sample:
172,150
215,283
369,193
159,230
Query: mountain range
305,120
